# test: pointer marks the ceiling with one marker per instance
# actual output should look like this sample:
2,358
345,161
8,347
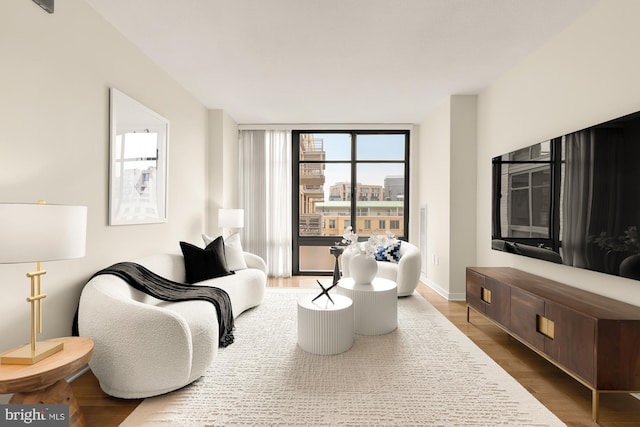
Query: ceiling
336,61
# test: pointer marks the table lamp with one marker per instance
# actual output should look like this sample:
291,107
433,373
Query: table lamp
34,233
230,218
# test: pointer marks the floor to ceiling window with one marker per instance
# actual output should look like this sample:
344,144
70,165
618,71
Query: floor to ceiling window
342,179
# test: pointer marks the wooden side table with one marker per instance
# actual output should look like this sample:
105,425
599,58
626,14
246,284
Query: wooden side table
44,382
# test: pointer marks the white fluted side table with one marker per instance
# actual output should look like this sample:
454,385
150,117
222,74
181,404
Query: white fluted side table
375,305
324,327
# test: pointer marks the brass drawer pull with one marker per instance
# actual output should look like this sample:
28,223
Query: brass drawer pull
545,326
485,295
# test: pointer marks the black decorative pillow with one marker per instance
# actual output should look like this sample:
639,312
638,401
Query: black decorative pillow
202,264
389,252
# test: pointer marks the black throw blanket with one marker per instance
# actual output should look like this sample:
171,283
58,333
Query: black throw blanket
157,286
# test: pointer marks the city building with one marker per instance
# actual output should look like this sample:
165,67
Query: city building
394,187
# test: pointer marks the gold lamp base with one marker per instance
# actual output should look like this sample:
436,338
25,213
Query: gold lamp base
34,352
24,356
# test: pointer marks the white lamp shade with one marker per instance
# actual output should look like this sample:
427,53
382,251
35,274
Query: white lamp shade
41,232
231,218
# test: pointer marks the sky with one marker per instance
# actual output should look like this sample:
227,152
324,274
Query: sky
369,147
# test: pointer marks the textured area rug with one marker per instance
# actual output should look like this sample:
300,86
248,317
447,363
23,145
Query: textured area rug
426,373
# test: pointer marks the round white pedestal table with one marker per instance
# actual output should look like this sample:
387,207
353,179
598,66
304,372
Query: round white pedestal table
375,304
325,327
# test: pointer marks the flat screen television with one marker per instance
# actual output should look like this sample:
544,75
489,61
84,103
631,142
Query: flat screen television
574,199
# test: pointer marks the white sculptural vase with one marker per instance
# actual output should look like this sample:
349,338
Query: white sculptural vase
363,268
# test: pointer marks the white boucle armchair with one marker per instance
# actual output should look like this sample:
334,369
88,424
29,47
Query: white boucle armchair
406,273
145,346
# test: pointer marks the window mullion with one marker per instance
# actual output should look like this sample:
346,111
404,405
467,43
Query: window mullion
354,180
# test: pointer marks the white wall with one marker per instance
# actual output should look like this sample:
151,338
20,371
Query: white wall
434,192
54,125
223,160
230,163
588,74
463,191
447,153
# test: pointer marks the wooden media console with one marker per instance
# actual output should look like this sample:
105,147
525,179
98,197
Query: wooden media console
594,339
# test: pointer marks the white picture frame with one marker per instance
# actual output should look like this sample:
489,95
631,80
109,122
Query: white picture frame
138,162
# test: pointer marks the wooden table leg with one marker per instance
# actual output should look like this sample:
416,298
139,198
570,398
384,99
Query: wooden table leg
595,404
58,393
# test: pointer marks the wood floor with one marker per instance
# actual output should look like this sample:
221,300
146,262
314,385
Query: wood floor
565,397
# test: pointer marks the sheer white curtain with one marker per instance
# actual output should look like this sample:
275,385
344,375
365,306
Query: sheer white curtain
578,197
265,195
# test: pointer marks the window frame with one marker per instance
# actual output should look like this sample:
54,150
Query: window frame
353,162
529,165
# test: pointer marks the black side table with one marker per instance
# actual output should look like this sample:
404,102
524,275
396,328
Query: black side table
336,251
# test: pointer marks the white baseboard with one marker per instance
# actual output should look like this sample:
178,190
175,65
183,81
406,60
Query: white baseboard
443,292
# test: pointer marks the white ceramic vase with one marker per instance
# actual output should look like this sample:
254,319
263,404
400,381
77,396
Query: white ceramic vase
363,268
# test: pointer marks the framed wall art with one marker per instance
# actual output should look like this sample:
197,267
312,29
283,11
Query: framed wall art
139,141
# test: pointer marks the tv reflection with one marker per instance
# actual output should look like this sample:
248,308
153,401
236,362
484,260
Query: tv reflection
573,200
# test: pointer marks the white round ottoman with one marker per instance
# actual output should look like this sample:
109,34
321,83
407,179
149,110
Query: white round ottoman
375,305
324,327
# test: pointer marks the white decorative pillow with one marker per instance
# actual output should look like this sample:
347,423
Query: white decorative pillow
233,251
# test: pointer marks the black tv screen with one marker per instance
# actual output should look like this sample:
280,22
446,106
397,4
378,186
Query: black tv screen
574,199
